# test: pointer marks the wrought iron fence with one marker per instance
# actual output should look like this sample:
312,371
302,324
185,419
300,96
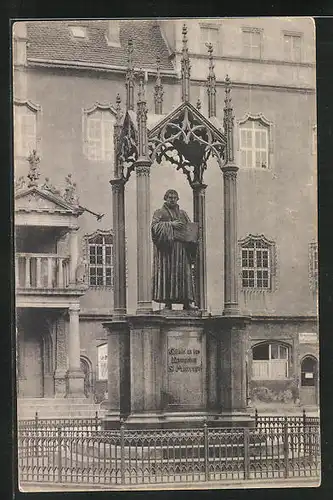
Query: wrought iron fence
125,457
79,424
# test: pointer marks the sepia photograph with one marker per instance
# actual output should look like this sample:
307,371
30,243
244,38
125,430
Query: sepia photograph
166,256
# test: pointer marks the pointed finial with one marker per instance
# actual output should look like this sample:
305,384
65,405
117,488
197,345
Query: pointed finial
199,104
158,89
118,109
130,76
211,83
228,121
34,172
185,68
141,90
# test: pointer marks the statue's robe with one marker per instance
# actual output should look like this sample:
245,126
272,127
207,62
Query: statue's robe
172,275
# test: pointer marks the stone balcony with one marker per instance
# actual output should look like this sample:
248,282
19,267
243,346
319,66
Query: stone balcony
47,275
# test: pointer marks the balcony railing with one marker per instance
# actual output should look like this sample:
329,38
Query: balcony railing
41,271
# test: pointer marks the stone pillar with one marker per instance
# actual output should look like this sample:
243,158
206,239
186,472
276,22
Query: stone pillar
144,299
238,394
74,254
75,375
199,216
119,250
60,373
230,240
118,372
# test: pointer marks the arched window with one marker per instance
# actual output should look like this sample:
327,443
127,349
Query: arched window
98,132
257,263
25,128
255,142
99,250
270,360
308,371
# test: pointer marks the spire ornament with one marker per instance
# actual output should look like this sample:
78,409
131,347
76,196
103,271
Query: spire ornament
116,135
158,90
211,83
34,172
228,122
130,77
142,118
185,68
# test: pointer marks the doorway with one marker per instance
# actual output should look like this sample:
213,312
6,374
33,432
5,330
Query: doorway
309,381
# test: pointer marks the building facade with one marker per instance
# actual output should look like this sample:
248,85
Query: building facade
66,79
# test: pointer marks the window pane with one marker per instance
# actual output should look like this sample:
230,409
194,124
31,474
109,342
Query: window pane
261,352
283,352
274,351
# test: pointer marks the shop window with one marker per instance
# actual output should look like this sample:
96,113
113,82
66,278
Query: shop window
270,361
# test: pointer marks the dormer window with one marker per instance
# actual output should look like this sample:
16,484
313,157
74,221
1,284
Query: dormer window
78,31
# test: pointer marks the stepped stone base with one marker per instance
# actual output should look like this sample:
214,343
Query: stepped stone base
57,408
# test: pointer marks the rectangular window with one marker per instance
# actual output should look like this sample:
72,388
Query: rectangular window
313,266
210,34
99,135
100,264
270,361
292,47
255,268
254,145
252,43
25,131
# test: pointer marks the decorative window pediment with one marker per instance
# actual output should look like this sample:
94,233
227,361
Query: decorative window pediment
26,128
98,131
255,141
257,263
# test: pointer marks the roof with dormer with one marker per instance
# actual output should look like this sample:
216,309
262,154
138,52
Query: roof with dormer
53,41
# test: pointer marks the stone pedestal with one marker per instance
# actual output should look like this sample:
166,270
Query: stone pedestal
177,369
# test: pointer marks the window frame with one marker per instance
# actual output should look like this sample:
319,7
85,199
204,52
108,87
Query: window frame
217,44
266,125
292,36
87,141
272,361
34,108
313,266
268,247
249,53
89,243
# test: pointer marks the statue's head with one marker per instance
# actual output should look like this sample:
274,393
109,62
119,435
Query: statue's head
171,197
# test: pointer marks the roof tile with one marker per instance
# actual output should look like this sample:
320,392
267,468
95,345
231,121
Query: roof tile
52,40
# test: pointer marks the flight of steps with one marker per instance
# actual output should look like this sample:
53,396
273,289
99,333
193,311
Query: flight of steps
58,408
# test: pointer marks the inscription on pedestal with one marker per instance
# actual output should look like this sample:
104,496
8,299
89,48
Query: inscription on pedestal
185,367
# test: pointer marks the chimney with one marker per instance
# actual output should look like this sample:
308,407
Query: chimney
112,33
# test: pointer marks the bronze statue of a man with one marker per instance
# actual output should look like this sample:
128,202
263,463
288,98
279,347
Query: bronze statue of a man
175,248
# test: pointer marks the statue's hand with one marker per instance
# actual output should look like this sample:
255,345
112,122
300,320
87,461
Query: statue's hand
177,224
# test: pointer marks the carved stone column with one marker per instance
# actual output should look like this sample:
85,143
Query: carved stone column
74,254
230,240
199,216
119,249
144,300
75,375
60,358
